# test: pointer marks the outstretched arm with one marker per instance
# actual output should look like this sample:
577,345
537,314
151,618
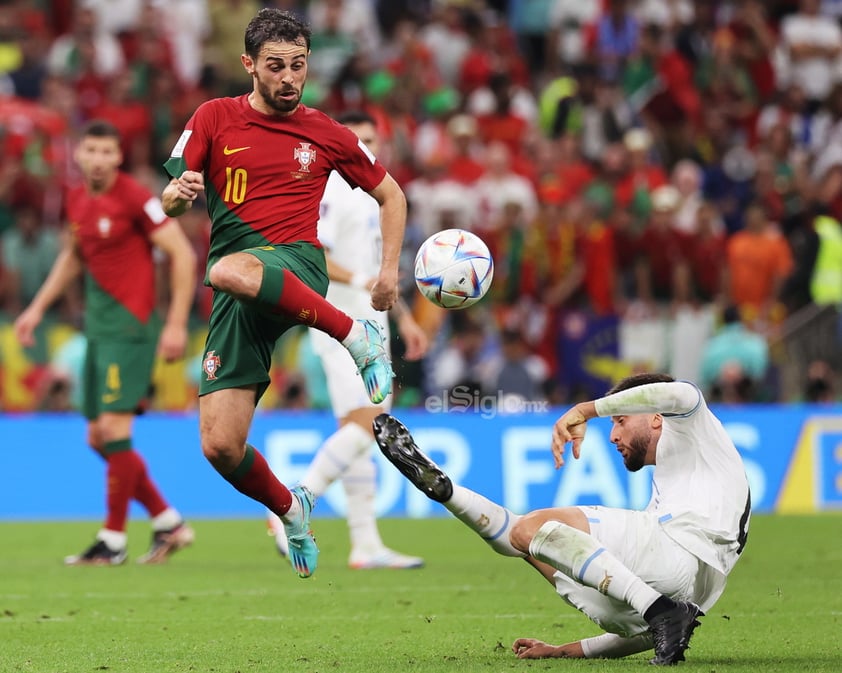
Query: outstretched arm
675,397
571,428
530,648
667,398
605,646
392,202
612,646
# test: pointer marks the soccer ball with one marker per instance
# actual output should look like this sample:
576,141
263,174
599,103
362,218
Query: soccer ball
453,268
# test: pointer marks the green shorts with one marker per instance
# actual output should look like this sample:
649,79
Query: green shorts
116,376
241,337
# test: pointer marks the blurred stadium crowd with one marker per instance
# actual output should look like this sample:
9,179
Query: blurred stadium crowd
659,181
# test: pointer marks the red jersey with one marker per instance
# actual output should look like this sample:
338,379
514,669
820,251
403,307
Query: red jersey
112,233
265,174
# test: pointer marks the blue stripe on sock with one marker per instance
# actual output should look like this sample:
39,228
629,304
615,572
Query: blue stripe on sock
502,528
665,517
592,519
588,562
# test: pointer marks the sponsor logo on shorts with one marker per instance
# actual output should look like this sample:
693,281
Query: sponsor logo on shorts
211,365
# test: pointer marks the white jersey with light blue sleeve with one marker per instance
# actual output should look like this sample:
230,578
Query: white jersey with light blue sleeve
699,487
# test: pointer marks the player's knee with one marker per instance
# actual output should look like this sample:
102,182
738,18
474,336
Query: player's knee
237,274
522,532
214,451
221,274
221,453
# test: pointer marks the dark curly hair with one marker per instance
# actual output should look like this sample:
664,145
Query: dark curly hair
274,25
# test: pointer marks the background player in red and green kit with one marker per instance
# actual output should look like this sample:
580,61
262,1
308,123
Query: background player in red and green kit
114,225
263,160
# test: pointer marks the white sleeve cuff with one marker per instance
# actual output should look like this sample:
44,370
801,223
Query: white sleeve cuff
612,646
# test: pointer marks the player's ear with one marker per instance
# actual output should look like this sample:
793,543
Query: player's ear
248,63
657,421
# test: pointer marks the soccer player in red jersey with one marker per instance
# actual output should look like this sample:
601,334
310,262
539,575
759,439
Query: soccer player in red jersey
114,225
263,160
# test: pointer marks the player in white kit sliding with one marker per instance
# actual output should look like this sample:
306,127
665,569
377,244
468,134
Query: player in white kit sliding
642,576
349,228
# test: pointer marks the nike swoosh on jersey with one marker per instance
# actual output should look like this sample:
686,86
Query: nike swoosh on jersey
233,150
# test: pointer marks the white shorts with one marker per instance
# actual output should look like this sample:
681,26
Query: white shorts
637,540
345,386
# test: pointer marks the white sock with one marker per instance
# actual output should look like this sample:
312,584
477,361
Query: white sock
115,540
612,646
491,521
294,512
166,520
359,482
335,455
580,557
355,333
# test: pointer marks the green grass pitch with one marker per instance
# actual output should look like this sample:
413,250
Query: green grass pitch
229,604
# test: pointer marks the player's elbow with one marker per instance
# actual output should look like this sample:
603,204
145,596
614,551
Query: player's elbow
389,194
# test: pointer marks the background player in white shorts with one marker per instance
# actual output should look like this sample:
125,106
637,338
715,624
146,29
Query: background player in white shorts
349,228
643,576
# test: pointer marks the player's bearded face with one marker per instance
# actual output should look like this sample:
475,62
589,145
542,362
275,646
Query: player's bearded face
634,455
632,436
279,75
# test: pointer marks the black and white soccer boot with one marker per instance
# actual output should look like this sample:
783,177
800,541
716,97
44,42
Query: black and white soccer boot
98,554
397,445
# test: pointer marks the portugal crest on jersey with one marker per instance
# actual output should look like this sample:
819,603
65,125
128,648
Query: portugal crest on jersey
211,365
305,155
103,225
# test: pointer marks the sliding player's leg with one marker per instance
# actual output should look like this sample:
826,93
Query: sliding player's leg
492,522
623,571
